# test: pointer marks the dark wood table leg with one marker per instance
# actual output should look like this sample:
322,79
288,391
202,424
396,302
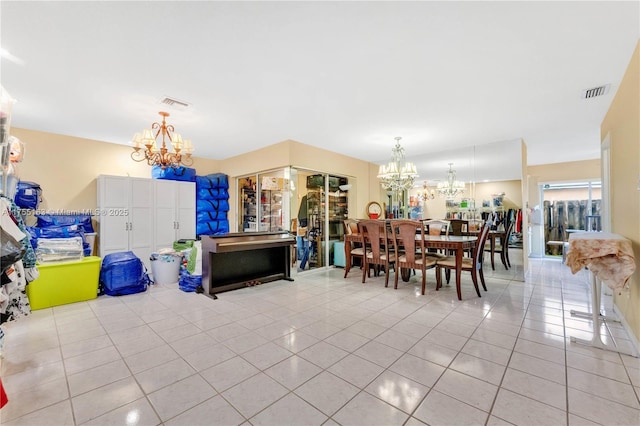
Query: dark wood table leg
459,271
347,257
493,249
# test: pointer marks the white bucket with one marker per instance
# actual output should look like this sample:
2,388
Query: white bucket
166,269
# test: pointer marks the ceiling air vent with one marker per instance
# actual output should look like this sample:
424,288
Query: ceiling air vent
596,91
175,103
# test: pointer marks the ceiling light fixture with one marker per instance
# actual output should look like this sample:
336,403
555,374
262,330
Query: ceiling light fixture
426,193
397,176
451,187
145,147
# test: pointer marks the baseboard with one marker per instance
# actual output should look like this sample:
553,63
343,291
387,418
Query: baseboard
625,324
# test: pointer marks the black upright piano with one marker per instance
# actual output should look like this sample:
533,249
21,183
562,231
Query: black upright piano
238,260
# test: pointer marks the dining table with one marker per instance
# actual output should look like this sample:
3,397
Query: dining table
450,243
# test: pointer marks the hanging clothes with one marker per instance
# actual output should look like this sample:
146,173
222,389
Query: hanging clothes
29,259
14,302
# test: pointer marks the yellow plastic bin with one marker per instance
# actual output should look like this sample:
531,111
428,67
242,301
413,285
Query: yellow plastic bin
60,283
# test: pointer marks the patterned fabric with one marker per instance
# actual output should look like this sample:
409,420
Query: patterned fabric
609,256
14,302
29,259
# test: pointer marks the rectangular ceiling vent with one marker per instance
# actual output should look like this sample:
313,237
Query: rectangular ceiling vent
175,103
596,91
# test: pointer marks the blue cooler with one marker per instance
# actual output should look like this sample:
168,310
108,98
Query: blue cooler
338,254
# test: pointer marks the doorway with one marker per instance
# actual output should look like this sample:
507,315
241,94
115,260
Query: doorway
569,207
319,206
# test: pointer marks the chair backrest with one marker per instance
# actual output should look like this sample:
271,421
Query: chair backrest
437,226
478,251
404,238
458,226
475,225
350,226
509,230
374,232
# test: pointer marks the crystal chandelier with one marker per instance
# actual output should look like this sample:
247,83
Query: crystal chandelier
145,147
451,187
398,175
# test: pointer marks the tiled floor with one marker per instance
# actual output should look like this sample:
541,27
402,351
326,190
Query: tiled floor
323,350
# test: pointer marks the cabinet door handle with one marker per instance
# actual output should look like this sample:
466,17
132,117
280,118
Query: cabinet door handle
177,225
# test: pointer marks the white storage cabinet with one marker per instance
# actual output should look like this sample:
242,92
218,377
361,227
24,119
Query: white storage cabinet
143,215
175,214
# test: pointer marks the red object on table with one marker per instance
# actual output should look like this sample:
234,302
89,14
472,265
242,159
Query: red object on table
3,396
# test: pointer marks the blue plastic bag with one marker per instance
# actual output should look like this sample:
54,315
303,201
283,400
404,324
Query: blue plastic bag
212,205
123,273
58,232
84,220
207,216
213,180
174,173
28,195
189,283
214,227
212,194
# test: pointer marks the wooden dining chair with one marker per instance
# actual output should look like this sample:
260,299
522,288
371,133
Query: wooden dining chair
459,226
436,227
472,264
475,225
356,249
409,243
377,251
501,246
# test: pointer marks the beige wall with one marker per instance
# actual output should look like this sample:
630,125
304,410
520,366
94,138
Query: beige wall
66,167
559,172
622,125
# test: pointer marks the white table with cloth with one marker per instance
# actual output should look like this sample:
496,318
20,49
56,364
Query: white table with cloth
609,258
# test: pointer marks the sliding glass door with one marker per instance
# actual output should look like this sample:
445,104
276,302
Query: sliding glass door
320,204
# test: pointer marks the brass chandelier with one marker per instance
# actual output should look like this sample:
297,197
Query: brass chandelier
426,193
145,146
